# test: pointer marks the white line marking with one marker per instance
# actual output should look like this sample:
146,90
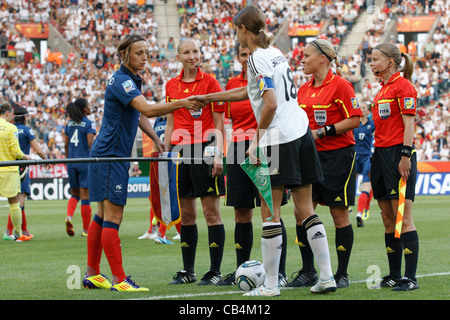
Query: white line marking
201,294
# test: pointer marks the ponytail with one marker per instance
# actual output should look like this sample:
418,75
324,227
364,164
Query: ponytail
75,109
408,68
337,61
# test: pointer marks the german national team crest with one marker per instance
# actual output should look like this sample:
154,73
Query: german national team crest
320,116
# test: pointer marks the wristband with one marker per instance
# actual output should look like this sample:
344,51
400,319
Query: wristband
320,133
330,130
406,151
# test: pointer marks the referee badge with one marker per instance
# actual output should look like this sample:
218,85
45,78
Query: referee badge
384,110
320,116
409,103
355,103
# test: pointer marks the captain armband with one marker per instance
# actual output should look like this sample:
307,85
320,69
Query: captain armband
265,83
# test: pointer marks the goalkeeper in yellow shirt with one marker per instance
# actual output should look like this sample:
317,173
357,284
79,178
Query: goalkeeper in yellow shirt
9,176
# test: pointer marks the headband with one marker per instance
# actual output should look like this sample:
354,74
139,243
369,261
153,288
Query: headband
314,43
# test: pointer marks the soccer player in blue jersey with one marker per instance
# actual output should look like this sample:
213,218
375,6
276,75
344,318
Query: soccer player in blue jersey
124,104
27,140
364,148
79,137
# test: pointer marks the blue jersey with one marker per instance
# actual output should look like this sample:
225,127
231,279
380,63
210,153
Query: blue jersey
120,121
26,135
364,138
160,127
77,133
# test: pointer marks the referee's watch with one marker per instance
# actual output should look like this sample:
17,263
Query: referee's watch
320,133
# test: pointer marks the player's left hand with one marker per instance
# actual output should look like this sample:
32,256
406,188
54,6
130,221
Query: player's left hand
404,167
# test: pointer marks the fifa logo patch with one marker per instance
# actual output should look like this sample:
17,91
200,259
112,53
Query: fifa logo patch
128,86
320,116
355,103
409,103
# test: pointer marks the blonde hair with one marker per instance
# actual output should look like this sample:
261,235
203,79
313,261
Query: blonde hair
254,21
324,47
184,40
124,46
392,51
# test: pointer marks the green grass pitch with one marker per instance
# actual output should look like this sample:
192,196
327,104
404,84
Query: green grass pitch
51,266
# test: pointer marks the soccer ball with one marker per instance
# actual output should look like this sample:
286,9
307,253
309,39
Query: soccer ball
250,275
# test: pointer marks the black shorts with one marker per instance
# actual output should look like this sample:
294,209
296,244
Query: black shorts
241,191
338,188
194,178
385,177
295,163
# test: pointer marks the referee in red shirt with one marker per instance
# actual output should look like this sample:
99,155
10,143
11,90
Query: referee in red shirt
394,158
193,135
333,112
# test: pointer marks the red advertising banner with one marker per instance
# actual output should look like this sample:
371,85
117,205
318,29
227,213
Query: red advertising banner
33,30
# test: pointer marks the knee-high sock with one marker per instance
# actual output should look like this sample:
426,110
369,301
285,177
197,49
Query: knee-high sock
317,239
188,240
367,207
243,241
362,201
16,218
394,248
113,251
411,252
94,244
271,243
72,205
86,212
344,244
305,249
216,239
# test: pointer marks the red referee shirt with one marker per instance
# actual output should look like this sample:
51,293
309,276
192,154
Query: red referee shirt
192,126
327,104
395,98
240,113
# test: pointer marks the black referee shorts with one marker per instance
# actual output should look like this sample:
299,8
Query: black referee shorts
194,178
385,177
338,188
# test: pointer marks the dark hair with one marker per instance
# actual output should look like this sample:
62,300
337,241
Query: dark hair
123,48
254,21
19,114
75,109
4,108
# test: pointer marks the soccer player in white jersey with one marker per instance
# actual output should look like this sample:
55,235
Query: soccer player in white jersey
282,130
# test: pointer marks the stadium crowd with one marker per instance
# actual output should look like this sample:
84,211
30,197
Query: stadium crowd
93,28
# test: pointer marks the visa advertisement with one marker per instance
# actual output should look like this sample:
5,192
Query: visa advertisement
433,178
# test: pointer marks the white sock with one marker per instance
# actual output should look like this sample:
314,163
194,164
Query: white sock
317,239
271,241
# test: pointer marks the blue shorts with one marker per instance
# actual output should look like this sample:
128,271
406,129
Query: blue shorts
25,185
109,180
78,175
363,166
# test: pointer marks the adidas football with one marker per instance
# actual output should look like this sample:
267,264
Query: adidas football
250,275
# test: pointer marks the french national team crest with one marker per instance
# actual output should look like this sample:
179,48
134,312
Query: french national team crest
320,116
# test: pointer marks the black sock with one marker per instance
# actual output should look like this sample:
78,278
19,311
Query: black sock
188,240
344,244
216,239
243,241
394,250
305,249
411,252
282,267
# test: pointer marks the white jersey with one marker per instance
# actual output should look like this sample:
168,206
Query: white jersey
268,69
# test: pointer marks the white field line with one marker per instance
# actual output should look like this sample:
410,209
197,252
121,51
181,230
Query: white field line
222,293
